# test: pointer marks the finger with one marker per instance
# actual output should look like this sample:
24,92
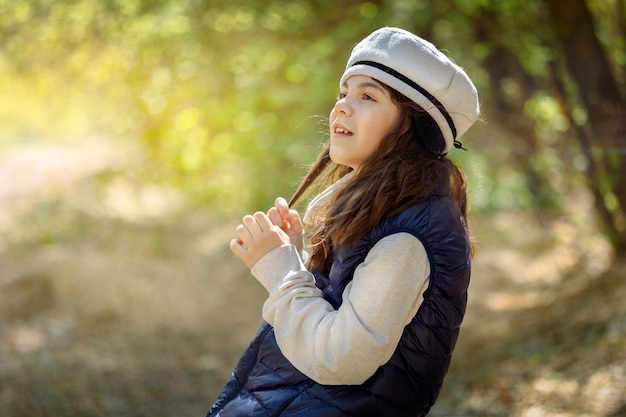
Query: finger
275,217
243,233
295,222
263,221
251,224
237,247
283,207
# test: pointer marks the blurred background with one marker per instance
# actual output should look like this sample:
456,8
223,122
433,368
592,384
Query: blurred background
135,134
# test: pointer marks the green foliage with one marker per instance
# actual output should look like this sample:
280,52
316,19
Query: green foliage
227,99
220,94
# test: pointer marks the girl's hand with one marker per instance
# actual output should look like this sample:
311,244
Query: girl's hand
288,220
257,236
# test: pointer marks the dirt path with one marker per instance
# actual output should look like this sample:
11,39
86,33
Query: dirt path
110,305
30,173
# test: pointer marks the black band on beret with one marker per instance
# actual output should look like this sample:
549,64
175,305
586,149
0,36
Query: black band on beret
415,86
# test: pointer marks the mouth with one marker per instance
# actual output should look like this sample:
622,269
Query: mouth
340,130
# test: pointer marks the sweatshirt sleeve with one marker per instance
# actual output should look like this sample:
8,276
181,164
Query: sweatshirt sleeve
344,346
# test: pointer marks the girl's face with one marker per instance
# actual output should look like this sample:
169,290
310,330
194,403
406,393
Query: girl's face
363,114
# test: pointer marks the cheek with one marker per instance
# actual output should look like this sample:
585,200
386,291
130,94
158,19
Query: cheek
378,132
393,120
332,115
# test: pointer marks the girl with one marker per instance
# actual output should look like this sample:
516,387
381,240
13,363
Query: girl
365,325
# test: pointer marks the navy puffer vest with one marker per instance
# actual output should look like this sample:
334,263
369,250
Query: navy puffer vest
265,383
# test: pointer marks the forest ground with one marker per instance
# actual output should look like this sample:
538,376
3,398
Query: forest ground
116,300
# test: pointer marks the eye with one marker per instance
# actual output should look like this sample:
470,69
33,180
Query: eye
341,95
368,97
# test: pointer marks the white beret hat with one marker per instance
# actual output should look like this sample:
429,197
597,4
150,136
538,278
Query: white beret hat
418,70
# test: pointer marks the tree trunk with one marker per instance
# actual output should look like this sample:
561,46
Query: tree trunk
503,64
599,92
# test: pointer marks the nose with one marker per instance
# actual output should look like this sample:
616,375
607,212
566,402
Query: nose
342,106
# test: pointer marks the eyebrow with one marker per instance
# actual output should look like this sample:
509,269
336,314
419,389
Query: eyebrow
372,84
